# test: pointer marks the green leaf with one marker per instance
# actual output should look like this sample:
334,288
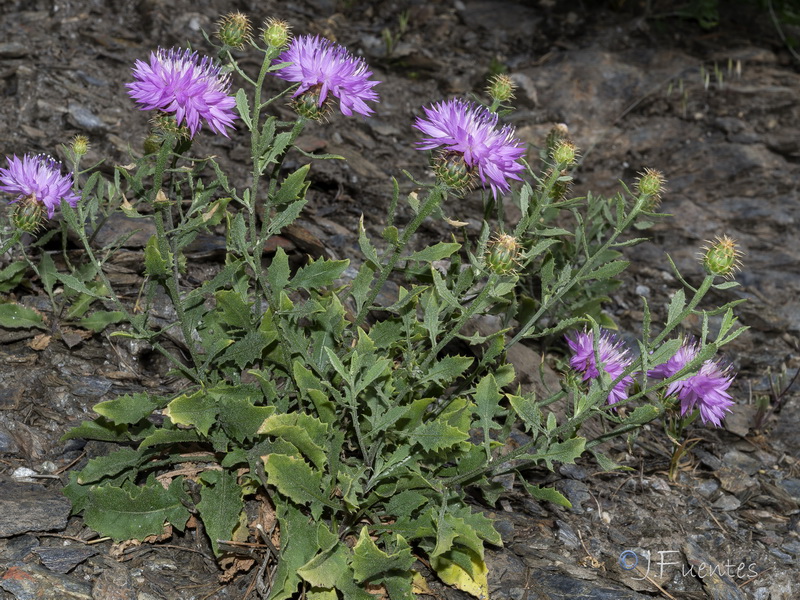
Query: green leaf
436,435
300,430
367,249
676,306
16,316
546,493
124,459
47,272
370,561
128,409
326,568
311,387
243,108
235,311
563,452
155,265
131,512
197,409
487,400
240,418
446,370
526,409
100,429
293,187
247,350
278,271
100,319
436,252
405,503
285,217
608,270
220,506
318,274
297,481
297,548
12,275
642,414
169,436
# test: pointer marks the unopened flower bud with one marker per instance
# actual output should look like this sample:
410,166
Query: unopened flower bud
452,170
502,254
234,30
80,145
28,214
721,257
650,183
565,153
276,33
501,88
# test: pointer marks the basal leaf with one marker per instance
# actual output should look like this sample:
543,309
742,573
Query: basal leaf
301,430
128,409
436,435
326,568
247,350
370,561
297,548
311,388
220,505
16,316
100,429
169,436
296,480
136,512
197,409
109,466
100,319
240,418
464,570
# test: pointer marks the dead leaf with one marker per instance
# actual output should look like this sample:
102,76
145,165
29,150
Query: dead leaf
40,342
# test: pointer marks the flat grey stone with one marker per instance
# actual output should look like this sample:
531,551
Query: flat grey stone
31,507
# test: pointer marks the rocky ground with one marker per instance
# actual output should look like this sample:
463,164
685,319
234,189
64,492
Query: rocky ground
718,111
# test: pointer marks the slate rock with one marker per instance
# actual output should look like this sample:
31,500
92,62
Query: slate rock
31,507
62,559
29,582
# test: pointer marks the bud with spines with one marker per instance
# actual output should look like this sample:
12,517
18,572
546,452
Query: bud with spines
80,145
564,153
501,88
556,134
234,30
276,33
650,186
502,254
721,257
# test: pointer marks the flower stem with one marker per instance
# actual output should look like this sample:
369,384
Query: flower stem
434,198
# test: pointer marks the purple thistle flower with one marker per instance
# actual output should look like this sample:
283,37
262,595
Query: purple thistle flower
613,356
470,130
179,81
706,389
37,179
324,67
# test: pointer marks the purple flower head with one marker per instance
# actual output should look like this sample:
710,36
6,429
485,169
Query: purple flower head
613,356
324,67
706,389
470,130
180,82
37,179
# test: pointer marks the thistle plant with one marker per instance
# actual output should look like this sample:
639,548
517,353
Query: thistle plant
360,427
